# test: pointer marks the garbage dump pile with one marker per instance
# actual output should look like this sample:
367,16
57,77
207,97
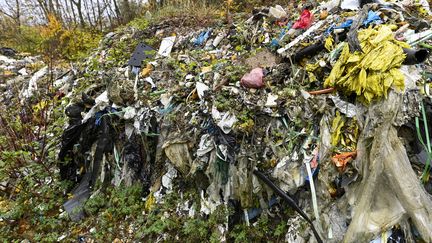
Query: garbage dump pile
325,110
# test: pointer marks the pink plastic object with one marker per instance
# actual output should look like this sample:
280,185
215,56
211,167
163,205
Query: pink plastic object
254,79
305,21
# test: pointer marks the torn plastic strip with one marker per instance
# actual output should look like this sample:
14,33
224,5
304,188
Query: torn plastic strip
246,217
314,164
307,160
254,212
135,87
312,187
307,33
420,37
158,92
415,56
117,157
315,172
289,200
74,206
313,191
105,112
105,144
352,37
425,45
167,110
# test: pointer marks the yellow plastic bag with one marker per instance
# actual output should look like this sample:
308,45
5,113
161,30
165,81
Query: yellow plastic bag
372,72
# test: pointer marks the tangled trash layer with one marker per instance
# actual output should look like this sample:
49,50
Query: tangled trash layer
315,107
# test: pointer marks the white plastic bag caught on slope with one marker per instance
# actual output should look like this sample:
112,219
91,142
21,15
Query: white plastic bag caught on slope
32,86
166,46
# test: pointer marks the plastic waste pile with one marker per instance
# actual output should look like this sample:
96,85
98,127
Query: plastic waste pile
15,70
323,108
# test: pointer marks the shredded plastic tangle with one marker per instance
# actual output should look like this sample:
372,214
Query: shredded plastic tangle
372,72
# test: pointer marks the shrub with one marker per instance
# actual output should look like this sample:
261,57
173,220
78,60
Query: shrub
53,40
68,44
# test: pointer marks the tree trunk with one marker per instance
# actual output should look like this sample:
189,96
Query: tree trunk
18,15
117,11
126,11
78,5
88,13
44,7
71,11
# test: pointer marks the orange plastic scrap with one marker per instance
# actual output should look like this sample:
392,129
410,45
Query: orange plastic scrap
341,160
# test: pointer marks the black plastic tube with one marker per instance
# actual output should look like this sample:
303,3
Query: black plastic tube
314,49
308,51
415,56
289,200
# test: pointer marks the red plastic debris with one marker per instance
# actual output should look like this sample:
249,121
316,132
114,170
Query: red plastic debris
305,21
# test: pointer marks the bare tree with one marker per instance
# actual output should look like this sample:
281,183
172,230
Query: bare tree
117,11
78,6
88,11
48,8
98,14
13,11
70,12
126,11
101,7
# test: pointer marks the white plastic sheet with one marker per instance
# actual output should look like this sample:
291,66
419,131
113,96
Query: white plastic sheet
166,46
350,4
277,12
32,86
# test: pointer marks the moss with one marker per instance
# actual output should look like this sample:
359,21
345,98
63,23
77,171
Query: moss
139,23
119,54
235,72
224,101
245,122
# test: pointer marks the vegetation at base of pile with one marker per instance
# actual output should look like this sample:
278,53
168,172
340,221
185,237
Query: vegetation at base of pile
119,213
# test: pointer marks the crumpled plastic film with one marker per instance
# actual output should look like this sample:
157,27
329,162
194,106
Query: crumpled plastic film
389,191
305,20
370,74
178,153
32,84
